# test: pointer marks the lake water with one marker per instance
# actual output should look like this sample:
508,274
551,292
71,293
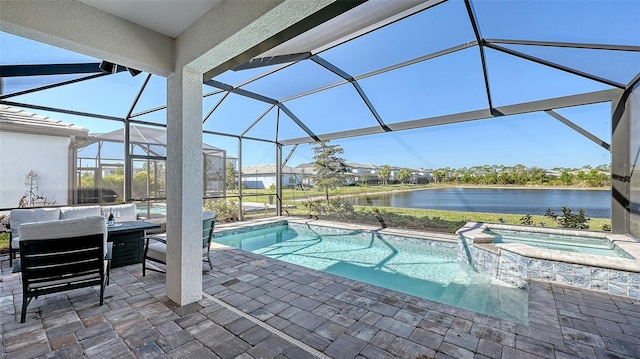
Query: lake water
596,203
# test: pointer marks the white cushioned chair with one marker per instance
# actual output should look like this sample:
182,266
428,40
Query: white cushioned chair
62,255
155,248
27,215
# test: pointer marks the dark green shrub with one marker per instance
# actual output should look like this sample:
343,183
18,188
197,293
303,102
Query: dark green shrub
226,211
527,220
568,219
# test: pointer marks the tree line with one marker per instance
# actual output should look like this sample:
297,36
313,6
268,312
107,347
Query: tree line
331,173
521,175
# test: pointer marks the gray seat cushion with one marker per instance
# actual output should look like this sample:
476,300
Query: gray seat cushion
157,251
208,215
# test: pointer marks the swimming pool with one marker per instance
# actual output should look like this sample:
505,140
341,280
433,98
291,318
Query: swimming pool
424,268
156,209
596,246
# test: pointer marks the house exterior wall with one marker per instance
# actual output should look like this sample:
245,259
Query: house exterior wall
290,180
260,181
47,155
265,180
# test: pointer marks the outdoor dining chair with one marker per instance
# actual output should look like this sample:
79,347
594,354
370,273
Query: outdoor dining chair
62,255
155,248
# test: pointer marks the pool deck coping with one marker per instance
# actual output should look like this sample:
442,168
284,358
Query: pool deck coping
444,237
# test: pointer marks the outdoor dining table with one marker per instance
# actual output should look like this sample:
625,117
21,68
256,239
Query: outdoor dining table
128,241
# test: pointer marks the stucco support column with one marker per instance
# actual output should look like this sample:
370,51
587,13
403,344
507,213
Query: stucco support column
184,186
278,179
240,179
620,164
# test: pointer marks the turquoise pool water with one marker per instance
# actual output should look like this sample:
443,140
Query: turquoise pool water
157,210
425,269
597,246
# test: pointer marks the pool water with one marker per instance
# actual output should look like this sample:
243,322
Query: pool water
156,210
596,246
410,266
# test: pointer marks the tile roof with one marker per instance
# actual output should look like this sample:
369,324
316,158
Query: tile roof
268,169
16,120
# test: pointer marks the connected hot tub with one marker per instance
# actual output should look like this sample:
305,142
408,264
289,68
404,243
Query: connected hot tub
585,259
560,242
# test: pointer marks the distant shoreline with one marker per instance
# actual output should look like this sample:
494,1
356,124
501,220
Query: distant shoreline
431,187
445,186
526,187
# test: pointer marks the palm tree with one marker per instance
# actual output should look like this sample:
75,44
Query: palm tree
384,174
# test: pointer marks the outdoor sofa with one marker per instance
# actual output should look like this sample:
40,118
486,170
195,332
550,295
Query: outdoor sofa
62,255
127,212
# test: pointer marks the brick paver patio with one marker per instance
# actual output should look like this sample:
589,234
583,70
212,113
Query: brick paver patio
256,307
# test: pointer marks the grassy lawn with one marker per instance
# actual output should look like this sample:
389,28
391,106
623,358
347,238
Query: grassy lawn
447,221
594,223
405,216
4,242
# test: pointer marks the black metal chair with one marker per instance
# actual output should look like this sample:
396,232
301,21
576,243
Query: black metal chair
155,248
62,255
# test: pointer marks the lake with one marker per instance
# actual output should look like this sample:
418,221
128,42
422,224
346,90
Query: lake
596,203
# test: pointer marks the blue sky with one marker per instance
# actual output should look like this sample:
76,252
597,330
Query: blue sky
445,85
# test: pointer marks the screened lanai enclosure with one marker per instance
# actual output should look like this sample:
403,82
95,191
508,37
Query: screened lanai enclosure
100,166
403,83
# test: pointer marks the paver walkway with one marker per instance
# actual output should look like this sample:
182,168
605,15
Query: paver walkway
255,307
